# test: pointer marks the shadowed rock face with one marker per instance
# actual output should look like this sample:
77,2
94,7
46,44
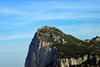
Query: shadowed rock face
43,51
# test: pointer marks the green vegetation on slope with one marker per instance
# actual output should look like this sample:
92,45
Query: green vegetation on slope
72,47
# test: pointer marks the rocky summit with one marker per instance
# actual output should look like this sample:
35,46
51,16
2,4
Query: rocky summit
50,47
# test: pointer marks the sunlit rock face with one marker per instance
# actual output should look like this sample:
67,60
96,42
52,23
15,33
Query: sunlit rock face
78,62
43,52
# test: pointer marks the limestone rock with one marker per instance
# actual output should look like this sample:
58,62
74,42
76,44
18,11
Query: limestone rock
43,52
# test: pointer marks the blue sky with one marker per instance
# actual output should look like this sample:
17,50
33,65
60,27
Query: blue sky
20,19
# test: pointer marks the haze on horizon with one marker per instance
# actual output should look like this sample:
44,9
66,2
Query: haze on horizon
20,19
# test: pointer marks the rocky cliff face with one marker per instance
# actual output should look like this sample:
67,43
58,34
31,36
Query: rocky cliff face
67,62
86,61
43,52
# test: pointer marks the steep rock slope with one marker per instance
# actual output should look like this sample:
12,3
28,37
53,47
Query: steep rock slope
52,48
41,52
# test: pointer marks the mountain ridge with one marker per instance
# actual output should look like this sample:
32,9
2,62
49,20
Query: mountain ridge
49,43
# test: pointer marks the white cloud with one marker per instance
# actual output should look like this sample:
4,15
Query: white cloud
36,11
16,37
83,31
17,49
52,10
6,11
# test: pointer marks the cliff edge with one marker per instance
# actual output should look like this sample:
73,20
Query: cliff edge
50,47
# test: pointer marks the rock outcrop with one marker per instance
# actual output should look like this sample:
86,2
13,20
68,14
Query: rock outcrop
44,53
41,54
79,62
